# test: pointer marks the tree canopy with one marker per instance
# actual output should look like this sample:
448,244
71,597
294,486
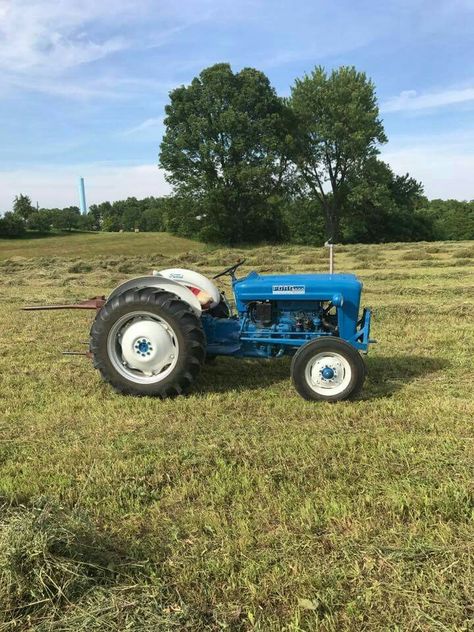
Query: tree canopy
22,207
338,130
225,149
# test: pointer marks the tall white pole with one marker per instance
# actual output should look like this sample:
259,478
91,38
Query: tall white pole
82,196
330,245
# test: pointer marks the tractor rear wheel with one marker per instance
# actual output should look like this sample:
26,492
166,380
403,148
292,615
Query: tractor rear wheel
146,341
328,369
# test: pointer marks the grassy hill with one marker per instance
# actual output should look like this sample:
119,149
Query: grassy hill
95,244
241,506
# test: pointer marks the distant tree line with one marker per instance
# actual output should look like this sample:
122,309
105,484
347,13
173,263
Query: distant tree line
397,212
127,215
248,166
24,216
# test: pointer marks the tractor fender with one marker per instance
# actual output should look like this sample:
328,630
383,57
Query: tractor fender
162,283
190,278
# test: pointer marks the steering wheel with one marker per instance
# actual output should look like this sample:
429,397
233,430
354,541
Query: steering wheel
230,270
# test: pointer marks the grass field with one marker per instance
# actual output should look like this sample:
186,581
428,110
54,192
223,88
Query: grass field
241,506
93,245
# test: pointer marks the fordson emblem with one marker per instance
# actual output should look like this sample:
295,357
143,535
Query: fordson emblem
288,289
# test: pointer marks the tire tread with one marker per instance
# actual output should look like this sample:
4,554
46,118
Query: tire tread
337,345
166,304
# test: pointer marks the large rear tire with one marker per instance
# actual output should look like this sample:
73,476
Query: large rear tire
146,341
328,369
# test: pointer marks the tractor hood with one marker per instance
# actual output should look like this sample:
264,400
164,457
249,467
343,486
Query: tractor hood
343,290
304,287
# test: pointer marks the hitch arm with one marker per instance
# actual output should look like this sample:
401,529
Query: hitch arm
97,302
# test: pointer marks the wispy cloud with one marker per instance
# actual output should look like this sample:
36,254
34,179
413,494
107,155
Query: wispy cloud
48,37
51,46
410,100
145,126
104,87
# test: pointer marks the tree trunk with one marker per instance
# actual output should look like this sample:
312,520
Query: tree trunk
332,222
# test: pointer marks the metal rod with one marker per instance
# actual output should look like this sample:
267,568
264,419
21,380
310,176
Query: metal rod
330,245
38,308
91,303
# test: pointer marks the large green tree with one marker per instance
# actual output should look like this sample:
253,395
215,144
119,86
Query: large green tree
41,220
225,152
23,207
339,129
381,206
452,219
12,225
132,210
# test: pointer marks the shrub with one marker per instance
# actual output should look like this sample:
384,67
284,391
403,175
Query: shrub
12,225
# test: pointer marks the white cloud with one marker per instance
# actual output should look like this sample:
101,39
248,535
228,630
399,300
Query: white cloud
57,186
105,87
48,36
411,100
45,43
146,126
444,163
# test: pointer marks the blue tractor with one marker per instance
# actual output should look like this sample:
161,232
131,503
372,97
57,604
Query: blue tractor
152,335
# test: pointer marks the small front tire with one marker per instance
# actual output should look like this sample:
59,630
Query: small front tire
328,369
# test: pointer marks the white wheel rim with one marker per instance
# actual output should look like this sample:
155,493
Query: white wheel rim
143,347
328,373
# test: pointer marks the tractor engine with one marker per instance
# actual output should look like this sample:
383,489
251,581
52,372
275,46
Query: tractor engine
268,323
276,314
291,316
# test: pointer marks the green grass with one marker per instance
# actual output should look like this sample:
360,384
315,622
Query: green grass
95,244
241,506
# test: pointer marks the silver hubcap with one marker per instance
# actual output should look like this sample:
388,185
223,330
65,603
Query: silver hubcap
143,347
328,373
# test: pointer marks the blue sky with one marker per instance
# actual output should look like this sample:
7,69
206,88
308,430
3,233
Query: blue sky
83,83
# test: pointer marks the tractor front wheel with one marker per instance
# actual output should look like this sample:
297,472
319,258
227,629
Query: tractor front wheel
328,369
146,341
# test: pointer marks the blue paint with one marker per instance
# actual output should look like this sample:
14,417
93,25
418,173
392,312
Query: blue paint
337,288
299,310
327,373
143,346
